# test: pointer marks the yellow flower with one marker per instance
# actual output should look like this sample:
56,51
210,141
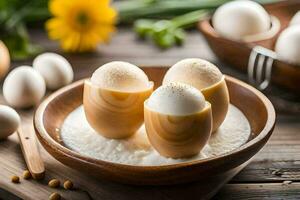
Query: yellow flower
81,24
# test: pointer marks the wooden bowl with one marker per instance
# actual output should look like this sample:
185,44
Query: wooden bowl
52,112
237,53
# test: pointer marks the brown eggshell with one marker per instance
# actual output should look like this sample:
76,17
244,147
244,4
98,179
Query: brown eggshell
4,60
178,136
218,96
114,114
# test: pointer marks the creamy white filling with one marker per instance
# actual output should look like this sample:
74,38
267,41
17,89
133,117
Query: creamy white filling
80,137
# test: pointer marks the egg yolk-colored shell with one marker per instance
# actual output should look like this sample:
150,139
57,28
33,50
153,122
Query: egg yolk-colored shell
4,60
218,96
178,136
114,114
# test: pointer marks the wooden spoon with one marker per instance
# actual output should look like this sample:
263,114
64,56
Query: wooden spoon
30,150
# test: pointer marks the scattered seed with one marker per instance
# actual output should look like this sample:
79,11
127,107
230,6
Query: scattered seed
54,196
54,183
68,185
15,179
26,175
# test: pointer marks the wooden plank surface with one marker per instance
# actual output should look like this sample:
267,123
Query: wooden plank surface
263,178
88,187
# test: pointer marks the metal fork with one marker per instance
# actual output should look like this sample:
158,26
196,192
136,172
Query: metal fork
260,62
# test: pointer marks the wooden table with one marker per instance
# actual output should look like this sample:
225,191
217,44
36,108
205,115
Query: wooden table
274,173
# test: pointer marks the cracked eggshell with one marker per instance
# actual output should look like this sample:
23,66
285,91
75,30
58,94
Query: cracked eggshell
23,87
178,121
288,45
238,19
207,78
55,69
9,121
113,99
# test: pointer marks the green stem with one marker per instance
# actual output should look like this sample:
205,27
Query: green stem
189,18
133,9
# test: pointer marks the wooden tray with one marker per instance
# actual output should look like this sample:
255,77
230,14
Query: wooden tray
237,53
52,112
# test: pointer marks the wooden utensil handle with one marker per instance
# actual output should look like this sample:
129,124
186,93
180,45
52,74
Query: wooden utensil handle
30,151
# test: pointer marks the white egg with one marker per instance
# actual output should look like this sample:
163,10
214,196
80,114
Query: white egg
237,19
9,121
193,71
288,45
176,99
55,69
296,19
23,87
120,76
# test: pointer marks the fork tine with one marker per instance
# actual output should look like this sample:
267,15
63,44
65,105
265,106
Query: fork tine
268,74
260,68
251,66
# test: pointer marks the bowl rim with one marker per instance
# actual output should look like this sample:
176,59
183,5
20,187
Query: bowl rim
205,27
275,28
58,147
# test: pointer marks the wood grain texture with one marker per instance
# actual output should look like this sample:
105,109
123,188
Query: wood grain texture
30,150
114,114
274,191
282,152
178,136
88,187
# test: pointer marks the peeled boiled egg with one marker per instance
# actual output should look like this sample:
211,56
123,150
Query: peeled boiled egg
296,19
23,87
4,60
237,19
176,99
178,120
113,99
208,79
120,76
9,121
55,69
288,45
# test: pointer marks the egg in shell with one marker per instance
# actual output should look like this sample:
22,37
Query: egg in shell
55,69
239,19
4,60
296,19
113,99
9,121
288,45
208,79
178,120
24,87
